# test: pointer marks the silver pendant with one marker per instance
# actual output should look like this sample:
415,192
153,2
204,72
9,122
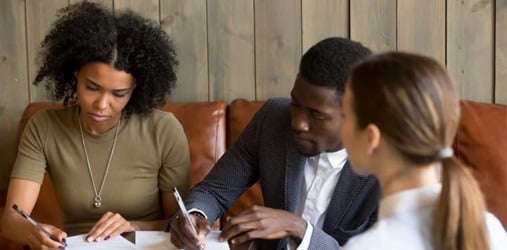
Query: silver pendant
97,202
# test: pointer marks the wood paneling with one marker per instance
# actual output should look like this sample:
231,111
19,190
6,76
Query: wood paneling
470,47
146,8
501,52
251,49
373,23
430,36
39,17
277,46
231,44
325,19
13,80
186,24
106,3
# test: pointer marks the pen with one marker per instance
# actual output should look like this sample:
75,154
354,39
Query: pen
184,212
33,222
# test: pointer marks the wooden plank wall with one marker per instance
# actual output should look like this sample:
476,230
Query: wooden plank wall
250,49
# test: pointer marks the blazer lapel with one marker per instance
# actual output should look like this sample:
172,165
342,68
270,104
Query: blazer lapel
346,190
294,171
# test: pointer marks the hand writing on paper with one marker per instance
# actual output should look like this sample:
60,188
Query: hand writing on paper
110,225
39,234
260,222
37,239
182,235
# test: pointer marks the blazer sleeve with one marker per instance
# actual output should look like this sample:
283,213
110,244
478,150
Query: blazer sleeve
234,172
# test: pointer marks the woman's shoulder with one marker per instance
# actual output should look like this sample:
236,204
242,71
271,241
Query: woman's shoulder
156,117
55,115
163,115
157,121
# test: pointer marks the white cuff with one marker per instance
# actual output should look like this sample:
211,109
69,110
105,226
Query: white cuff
305,242
195,210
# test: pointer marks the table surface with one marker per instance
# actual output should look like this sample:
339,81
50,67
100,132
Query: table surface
143,240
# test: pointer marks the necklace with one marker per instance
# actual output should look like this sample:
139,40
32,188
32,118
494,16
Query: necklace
98,199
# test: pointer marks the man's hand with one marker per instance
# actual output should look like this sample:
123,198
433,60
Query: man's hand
182,235
260,222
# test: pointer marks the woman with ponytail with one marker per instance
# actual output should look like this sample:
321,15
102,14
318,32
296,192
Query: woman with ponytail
401,113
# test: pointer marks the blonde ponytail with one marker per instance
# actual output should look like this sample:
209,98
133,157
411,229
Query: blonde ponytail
459,222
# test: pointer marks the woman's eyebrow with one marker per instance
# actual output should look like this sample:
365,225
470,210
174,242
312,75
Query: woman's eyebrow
95,84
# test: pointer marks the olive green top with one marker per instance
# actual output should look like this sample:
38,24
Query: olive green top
151,154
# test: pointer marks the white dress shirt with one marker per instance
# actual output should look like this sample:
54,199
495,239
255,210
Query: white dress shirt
320,178
405,221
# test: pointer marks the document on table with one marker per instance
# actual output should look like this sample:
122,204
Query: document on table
143,240
79,242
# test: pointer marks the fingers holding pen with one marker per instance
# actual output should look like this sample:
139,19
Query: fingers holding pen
202,228
38,239
182,235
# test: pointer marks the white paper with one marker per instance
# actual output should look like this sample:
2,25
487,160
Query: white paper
79,242
212,242
146,240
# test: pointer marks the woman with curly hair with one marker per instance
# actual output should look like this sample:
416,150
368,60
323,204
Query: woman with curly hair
112,157
401,114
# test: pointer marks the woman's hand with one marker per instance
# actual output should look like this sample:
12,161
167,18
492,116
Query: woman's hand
39,240
109,226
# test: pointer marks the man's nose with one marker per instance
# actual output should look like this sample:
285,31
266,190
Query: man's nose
299,122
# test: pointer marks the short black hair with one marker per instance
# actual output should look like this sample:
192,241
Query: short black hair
87,32
328,62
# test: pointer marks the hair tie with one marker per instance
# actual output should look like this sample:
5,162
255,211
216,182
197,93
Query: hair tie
445,153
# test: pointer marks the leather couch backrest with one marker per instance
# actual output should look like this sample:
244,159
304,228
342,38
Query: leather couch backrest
481,144
204,125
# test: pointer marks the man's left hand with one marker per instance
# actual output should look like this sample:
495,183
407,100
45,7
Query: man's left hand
260,222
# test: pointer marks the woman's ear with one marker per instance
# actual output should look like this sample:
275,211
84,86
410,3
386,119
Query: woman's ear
374,137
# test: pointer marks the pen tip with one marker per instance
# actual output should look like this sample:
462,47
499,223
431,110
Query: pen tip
15,206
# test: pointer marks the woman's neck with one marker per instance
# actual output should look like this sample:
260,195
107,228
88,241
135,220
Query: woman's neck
397,178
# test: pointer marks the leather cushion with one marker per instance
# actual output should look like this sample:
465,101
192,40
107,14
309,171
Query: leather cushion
204,126
481,144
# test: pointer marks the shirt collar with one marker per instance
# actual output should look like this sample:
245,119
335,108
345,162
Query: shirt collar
409,200
329,160
336,158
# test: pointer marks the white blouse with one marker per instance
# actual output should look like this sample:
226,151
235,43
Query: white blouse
405,221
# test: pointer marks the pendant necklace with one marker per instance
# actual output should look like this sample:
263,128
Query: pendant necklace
98,199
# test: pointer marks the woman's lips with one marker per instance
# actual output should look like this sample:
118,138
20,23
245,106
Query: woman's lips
99,118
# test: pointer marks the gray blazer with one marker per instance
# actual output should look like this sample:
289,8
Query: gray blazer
265,151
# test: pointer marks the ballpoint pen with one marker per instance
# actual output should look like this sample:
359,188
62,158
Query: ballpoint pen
184,212
33,222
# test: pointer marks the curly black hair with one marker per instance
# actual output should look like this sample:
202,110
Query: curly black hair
328,62
86,32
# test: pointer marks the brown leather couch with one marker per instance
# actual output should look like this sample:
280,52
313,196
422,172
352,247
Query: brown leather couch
211,127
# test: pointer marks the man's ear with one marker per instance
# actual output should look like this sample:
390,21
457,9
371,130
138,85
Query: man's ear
75,73
374,137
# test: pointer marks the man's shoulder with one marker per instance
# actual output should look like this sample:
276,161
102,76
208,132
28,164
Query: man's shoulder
278,101
276,105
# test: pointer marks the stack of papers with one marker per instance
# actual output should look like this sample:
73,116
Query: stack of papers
143,240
